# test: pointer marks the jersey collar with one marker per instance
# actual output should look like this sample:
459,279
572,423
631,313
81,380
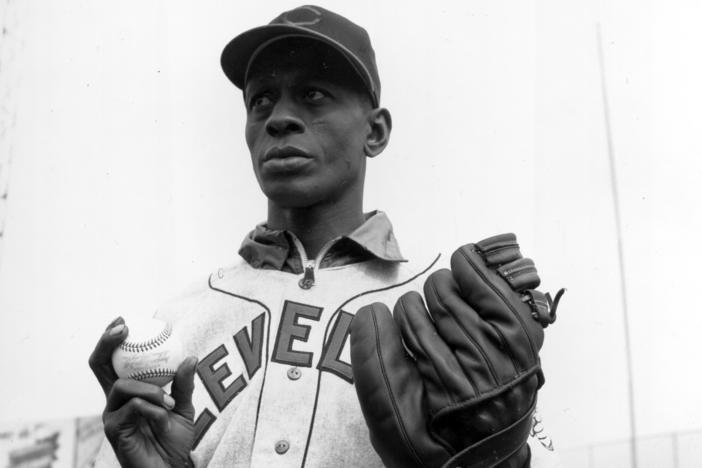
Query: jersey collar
274,249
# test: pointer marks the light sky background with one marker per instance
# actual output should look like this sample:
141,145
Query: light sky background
129,178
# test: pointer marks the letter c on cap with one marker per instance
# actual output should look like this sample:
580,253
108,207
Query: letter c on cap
303,16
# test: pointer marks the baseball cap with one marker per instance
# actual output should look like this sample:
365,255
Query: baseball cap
305,21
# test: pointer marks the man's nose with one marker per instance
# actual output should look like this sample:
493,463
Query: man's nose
283,120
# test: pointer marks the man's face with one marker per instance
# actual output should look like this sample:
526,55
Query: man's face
307,122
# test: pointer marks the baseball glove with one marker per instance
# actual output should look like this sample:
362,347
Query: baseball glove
455,385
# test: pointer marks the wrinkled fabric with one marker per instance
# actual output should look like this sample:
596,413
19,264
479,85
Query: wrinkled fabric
272,249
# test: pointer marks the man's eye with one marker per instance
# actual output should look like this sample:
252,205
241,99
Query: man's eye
260,101
314,95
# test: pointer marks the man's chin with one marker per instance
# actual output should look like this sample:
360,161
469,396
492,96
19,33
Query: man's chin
291,197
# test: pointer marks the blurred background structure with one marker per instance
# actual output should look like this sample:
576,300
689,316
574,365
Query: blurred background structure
124,178
673,450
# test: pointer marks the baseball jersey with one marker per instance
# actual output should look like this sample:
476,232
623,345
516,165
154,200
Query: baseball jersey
274,386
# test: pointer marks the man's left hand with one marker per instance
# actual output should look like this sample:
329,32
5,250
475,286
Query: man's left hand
455,385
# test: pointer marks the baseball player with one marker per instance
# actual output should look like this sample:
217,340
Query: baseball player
296,358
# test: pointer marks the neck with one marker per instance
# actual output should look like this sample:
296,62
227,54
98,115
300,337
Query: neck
316,225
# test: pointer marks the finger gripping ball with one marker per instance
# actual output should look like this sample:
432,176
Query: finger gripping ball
150,353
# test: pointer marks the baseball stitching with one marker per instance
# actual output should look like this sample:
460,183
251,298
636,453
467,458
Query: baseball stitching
153,373
147,345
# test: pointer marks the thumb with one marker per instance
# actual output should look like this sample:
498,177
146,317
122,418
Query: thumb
182,388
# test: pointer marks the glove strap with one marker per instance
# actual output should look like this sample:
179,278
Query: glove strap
490,452
543,308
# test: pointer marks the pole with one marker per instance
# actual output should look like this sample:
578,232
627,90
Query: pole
676,460
620,250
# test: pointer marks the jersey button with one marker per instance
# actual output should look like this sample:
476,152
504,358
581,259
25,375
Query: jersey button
294,373
281,447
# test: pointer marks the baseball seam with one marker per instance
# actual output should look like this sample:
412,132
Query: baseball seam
152,373
147,345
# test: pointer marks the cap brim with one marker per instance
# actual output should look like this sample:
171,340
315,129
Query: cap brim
237,55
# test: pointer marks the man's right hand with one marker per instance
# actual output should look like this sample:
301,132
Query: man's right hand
145,426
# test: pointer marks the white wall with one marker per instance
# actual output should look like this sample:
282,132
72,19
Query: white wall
129,178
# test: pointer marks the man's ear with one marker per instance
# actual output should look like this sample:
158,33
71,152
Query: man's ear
379,135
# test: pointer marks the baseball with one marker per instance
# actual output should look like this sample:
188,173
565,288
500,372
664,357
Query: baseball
149,353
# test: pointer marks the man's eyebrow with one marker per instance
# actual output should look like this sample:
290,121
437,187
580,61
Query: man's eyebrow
254,85
256,82
297,79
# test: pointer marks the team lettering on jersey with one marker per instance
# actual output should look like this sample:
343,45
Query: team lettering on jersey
212,371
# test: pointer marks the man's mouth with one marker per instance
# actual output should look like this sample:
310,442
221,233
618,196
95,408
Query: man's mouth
285,159
285,152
